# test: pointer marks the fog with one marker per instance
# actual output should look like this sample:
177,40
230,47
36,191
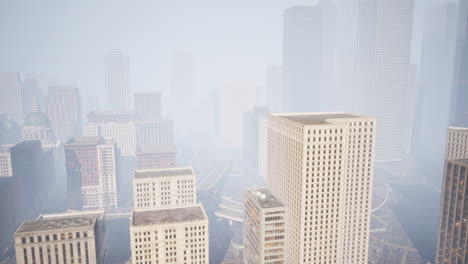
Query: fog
211,72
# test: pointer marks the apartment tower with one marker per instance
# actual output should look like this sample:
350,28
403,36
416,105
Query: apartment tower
321,166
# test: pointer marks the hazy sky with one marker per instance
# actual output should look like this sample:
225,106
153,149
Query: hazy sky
65,41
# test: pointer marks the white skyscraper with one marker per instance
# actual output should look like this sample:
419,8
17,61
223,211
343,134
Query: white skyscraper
457,143
264,228
10,99
164,188
155,132
117,81
321,166
373,68
123,132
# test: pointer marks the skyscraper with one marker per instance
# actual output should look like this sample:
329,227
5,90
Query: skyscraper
91,173
30,89
274,88
459,108
164,188
302,58
156,156
373,65
154,132
264,228
321,166
10,101
453,227
148,105
117,81
64,111
176,235
62,238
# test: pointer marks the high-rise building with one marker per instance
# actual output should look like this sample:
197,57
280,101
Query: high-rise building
264,228
459,108
320,165
148,106
274,88
157,132
252,121
452,244
6,169
163,188
8,220
91,173
62,238
373,65
117,81
176,235
432,102
156,156
64,111
30,91
123,132
111,116
302,58
10,101
457,143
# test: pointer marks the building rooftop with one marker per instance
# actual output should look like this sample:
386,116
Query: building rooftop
171,172
57,223
156,148
315,118
84,141
264,198
5,148
167,216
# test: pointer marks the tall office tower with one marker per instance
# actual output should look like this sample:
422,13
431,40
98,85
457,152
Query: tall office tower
123,132
62,238
373,65
91,173
154,132
452,244
8,222
321,166
163,188
64,111
117,81
177,235
6,169
264,228
30,89
156,156
459,108
457,143
274,87
251,127
302,58
10,101
148,105
436,73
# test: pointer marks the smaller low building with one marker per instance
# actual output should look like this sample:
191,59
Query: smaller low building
62,238
264,228
175,235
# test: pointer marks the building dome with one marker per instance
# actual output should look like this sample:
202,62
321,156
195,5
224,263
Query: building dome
36,119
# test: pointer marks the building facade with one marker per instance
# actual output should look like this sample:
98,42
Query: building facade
6,169
321,166
148,106
177,235
163,188
452,245
37,125
264,228
156,156
10,101
91,173
124,132
154,132
62,238
117,81
457,143
63,106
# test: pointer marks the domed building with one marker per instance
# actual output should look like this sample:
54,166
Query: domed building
37,125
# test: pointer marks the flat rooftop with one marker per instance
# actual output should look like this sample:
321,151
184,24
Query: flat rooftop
167,216
58,223
315,118
170,172
167,148
264,198
84,141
